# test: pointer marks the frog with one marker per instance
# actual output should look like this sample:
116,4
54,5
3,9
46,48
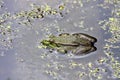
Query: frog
77,43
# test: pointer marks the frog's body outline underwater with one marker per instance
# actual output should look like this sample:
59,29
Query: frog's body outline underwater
78,43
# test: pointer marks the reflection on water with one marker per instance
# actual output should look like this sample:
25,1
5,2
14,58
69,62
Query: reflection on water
24,24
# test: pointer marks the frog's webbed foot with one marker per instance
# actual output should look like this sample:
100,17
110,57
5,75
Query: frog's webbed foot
82,50
64,34
85,36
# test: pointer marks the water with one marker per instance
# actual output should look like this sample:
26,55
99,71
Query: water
21,31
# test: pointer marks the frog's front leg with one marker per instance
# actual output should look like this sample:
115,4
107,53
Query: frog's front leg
62,50
82,50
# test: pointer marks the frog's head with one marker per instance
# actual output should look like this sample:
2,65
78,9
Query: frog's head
49,44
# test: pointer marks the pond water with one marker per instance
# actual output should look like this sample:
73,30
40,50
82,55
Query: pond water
25,23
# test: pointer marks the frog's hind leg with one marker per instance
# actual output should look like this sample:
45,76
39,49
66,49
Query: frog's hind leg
82,50
86,36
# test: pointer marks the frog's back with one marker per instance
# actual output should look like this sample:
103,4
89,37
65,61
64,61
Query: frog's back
64,39
73,39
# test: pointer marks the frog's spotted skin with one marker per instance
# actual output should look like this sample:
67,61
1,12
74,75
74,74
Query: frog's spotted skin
64,39
78,43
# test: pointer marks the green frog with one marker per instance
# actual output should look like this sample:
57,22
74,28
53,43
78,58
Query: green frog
77,43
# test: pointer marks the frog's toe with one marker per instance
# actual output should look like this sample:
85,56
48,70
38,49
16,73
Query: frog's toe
93,39
93,49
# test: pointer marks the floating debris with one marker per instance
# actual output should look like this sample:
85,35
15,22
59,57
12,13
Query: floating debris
39,12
